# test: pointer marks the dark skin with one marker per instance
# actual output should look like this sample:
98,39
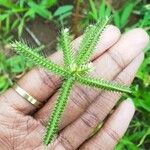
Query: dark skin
22,125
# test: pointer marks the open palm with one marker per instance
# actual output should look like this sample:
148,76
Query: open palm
117,57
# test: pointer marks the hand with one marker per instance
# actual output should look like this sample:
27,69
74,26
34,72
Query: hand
117,57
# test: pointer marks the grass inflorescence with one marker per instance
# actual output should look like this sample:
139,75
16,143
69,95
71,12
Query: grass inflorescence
74,70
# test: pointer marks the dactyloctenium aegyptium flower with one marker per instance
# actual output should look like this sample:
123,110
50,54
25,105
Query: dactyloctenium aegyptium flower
75,69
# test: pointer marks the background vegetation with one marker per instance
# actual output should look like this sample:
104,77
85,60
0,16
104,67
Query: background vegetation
28,19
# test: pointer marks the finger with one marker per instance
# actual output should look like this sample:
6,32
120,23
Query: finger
41,84
106,66
113,129
83,127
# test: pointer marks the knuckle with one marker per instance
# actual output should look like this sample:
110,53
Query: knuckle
124,79
92,146
65,142
48,79
90,119
114,135
108,101
116,57
81,98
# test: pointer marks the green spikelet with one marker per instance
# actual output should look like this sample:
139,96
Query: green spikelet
30,54
90,39
53,122
103,84
65,45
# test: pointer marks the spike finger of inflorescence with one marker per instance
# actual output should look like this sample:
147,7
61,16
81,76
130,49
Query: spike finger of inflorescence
103,84
90,39
52,127
65,45
30,54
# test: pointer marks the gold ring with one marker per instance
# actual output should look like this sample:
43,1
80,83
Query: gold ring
27,96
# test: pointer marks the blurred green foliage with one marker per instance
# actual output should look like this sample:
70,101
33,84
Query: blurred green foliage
10,68
16,14
134,13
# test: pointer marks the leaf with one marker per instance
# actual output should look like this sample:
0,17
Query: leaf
4,83
144,137
3,16
29,13
21,3
16,64
62,10
136,135
7,3
14,24
126,143
126,13
116,19
145,103
63,16
18,10
7,24
42,11
94,12
48,3
142,100
20,27
147,49
102,9
108,11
